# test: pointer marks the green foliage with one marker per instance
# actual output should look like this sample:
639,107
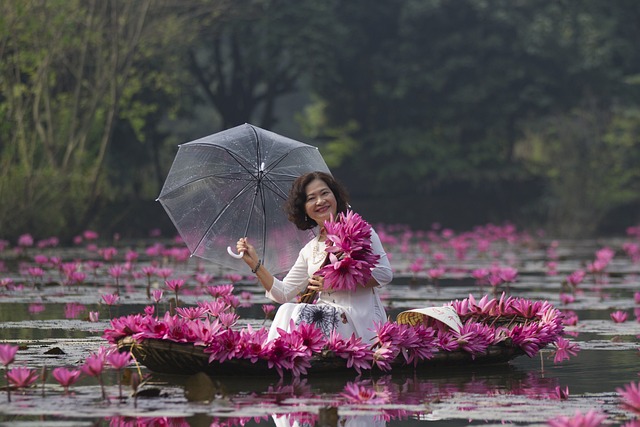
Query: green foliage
407,97
590,159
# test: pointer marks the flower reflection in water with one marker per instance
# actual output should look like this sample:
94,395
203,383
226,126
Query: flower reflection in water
301,402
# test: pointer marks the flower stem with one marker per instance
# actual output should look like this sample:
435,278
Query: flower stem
6,373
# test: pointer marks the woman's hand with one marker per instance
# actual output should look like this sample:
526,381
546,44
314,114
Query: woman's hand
316,283
250,256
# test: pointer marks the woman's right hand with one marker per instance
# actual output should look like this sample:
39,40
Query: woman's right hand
249,256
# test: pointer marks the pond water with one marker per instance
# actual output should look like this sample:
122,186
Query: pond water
48,317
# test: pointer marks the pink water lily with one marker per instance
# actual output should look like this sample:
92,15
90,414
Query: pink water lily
350,253
355,393
220,290
110,299
619,316
592,418
118,360
66,377
564,350
358,355
575,278
630,396
7,353
21,377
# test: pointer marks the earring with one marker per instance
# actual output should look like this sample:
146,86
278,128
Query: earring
306,218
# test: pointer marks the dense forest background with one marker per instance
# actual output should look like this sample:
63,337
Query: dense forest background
460,112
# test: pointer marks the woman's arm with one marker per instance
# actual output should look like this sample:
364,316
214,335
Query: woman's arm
280,291
250,257
382,273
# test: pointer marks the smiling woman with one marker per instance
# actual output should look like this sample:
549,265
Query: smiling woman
317,200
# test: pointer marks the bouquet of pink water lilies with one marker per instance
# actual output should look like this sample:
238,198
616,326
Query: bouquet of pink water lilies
351,257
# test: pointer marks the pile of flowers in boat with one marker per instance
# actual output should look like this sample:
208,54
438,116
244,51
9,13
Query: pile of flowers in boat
212,327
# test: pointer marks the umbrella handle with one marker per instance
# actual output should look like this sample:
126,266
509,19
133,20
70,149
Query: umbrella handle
233,254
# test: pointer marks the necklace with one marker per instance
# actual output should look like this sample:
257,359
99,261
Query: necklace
318,255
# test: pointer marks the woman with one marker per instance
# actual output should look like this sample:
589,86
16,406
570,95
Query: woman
314,198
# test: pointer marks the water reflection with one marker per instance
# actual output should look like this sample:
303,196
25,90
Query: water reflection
54,313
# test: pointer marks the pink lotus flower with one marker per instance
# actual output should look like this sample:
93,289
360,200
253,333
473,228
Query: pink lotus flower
192,313
131,256
567,298
564,350
436,273
228,319
118,360
355,393
480,274
570,318
251,344
288,351
225,346
383,356
474,338
90,235
417,265
214,308
72,310
175,285
116,271
358,355
35,272
157,295
66,377
630,395
110,299
575,278
591,419
22,377
508,274
108,253
94,316
25,240
220,290
312,337
93,364
203,278
234,278
164,272
605,254
560,393
8,353
268,309
350,253
619,316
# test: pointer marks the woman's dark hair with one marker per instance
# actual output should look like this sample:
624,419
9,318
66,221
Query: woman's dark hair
295,205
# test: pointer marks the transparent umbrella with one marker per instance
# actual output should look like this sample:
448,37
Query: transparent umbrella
234,184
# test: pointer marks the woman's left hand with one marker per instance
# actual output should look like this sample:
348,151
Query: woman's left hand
316,283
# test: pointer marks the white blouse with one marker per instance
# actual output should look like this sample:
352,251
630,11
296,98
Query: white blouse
362,307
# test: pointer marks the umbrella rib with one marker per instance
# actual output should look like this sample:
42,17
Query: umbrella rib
200,178
264,225
285,155
242,191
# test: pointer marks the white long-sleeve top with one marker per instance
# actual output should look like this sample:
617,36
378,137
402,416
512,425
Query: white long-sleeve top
363,306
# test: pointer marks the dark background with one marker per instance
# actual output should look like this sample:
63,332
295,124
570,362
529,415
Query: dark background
458,112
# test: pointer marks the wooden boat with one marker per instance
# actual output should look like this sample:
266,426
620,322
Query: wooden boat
185,359
483,333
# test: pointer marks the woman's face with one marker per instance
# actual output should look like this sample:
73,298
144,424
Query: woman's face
321,203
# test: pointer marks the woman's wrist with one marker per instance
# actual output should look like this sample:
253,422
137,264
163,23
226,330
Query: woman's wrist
255,269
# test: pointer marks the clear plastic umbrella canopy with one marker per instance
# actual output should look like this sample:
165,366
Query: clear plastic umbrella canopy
234,184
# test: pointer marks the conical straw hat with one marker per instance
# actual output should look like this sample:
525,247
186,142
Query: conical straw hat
445,314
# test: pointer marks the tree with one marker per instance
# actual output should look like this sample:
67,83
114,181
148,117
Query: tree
256,55
66,70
